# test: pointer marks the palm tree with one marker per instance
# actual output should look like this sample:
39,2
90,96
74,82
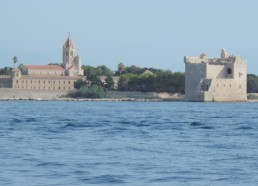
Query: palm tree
15,59
121,68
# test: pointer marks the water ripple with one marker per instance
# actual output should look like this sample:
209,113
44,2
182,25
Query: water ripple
128,143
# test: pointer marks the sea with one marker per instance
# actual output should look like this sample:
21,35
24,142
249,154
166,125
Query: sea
77,143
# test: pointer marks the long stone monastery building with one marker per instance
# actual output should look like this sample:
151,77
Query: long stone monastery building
215,79
48,77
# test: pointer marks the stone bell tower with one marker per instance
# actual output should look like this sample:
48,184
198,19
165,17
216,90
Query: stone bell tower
69,53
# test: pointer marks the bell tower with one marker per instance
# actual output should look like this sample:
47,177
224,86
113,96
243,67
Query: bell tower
68,53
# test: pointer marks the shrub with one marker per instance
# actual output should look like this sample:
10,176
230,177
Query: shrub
89,92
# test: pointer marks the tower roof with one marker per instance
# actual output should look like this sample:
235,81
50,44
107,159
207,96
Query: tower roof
69,43
203,55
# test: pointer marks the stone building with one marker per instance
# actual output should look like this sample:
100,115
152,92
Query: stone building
48,77
215,79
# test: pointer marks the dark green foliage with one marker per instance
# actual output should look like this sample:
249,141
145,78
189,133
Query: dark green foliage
132,78
124,81
103,71
6,71
22,67
15,59
134,70
252,83
165,81
109,83
93,72
80,83
120,69
89,71
127,70
89,92
96,81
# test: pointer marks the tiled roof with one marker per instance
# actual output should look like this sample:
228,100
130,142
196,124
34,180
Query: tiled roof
44,67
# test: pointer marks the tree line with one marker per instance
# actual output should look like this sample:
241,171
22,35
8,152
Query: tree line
133,78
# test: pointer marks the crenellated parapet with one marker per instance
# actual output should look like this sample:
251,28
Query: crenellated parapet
225,58
193,59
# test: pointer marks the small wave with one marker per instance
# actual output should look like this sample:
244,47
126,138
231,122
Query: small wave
201,125
126,122
31,120
196,124
80,125
245,128
222,117
50,164
173,178
73,125
223,146
142,123
104,179
222,179
80,172
16,120
207,127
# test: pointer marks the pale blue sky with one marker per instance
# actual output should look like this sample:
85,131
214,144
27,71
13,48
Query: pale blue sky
146,33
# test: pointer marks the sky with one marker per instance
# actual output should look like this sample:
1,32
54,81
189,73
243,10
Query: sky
145,33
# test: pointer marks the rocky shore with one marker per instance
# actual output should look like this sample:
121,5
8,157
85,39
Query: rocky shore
90,99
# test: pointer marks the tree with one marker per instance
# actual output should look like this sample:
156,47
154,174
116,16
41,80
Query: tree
252,83
6,71
15,59
89,71
22,67
109,83
92,72
89,92
124,80
134,69
103,71
165,81
121,68
96,81
80,83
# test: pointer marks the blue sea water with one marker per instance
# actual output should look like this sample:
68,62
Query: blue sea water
128,143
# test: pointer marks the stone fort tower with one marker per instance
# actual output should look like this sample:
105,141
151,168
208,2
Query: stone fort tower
71,61
215,79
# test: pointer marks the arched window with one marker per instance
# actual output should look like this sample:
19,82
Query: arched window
229,71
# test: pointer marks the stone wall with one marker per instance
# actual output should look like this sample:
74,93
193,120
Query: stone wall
194,73
147,95
130,94
9,93
225,90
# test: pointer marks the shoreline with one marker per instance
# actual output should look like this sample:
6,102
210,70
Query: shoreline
93,100
112,100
